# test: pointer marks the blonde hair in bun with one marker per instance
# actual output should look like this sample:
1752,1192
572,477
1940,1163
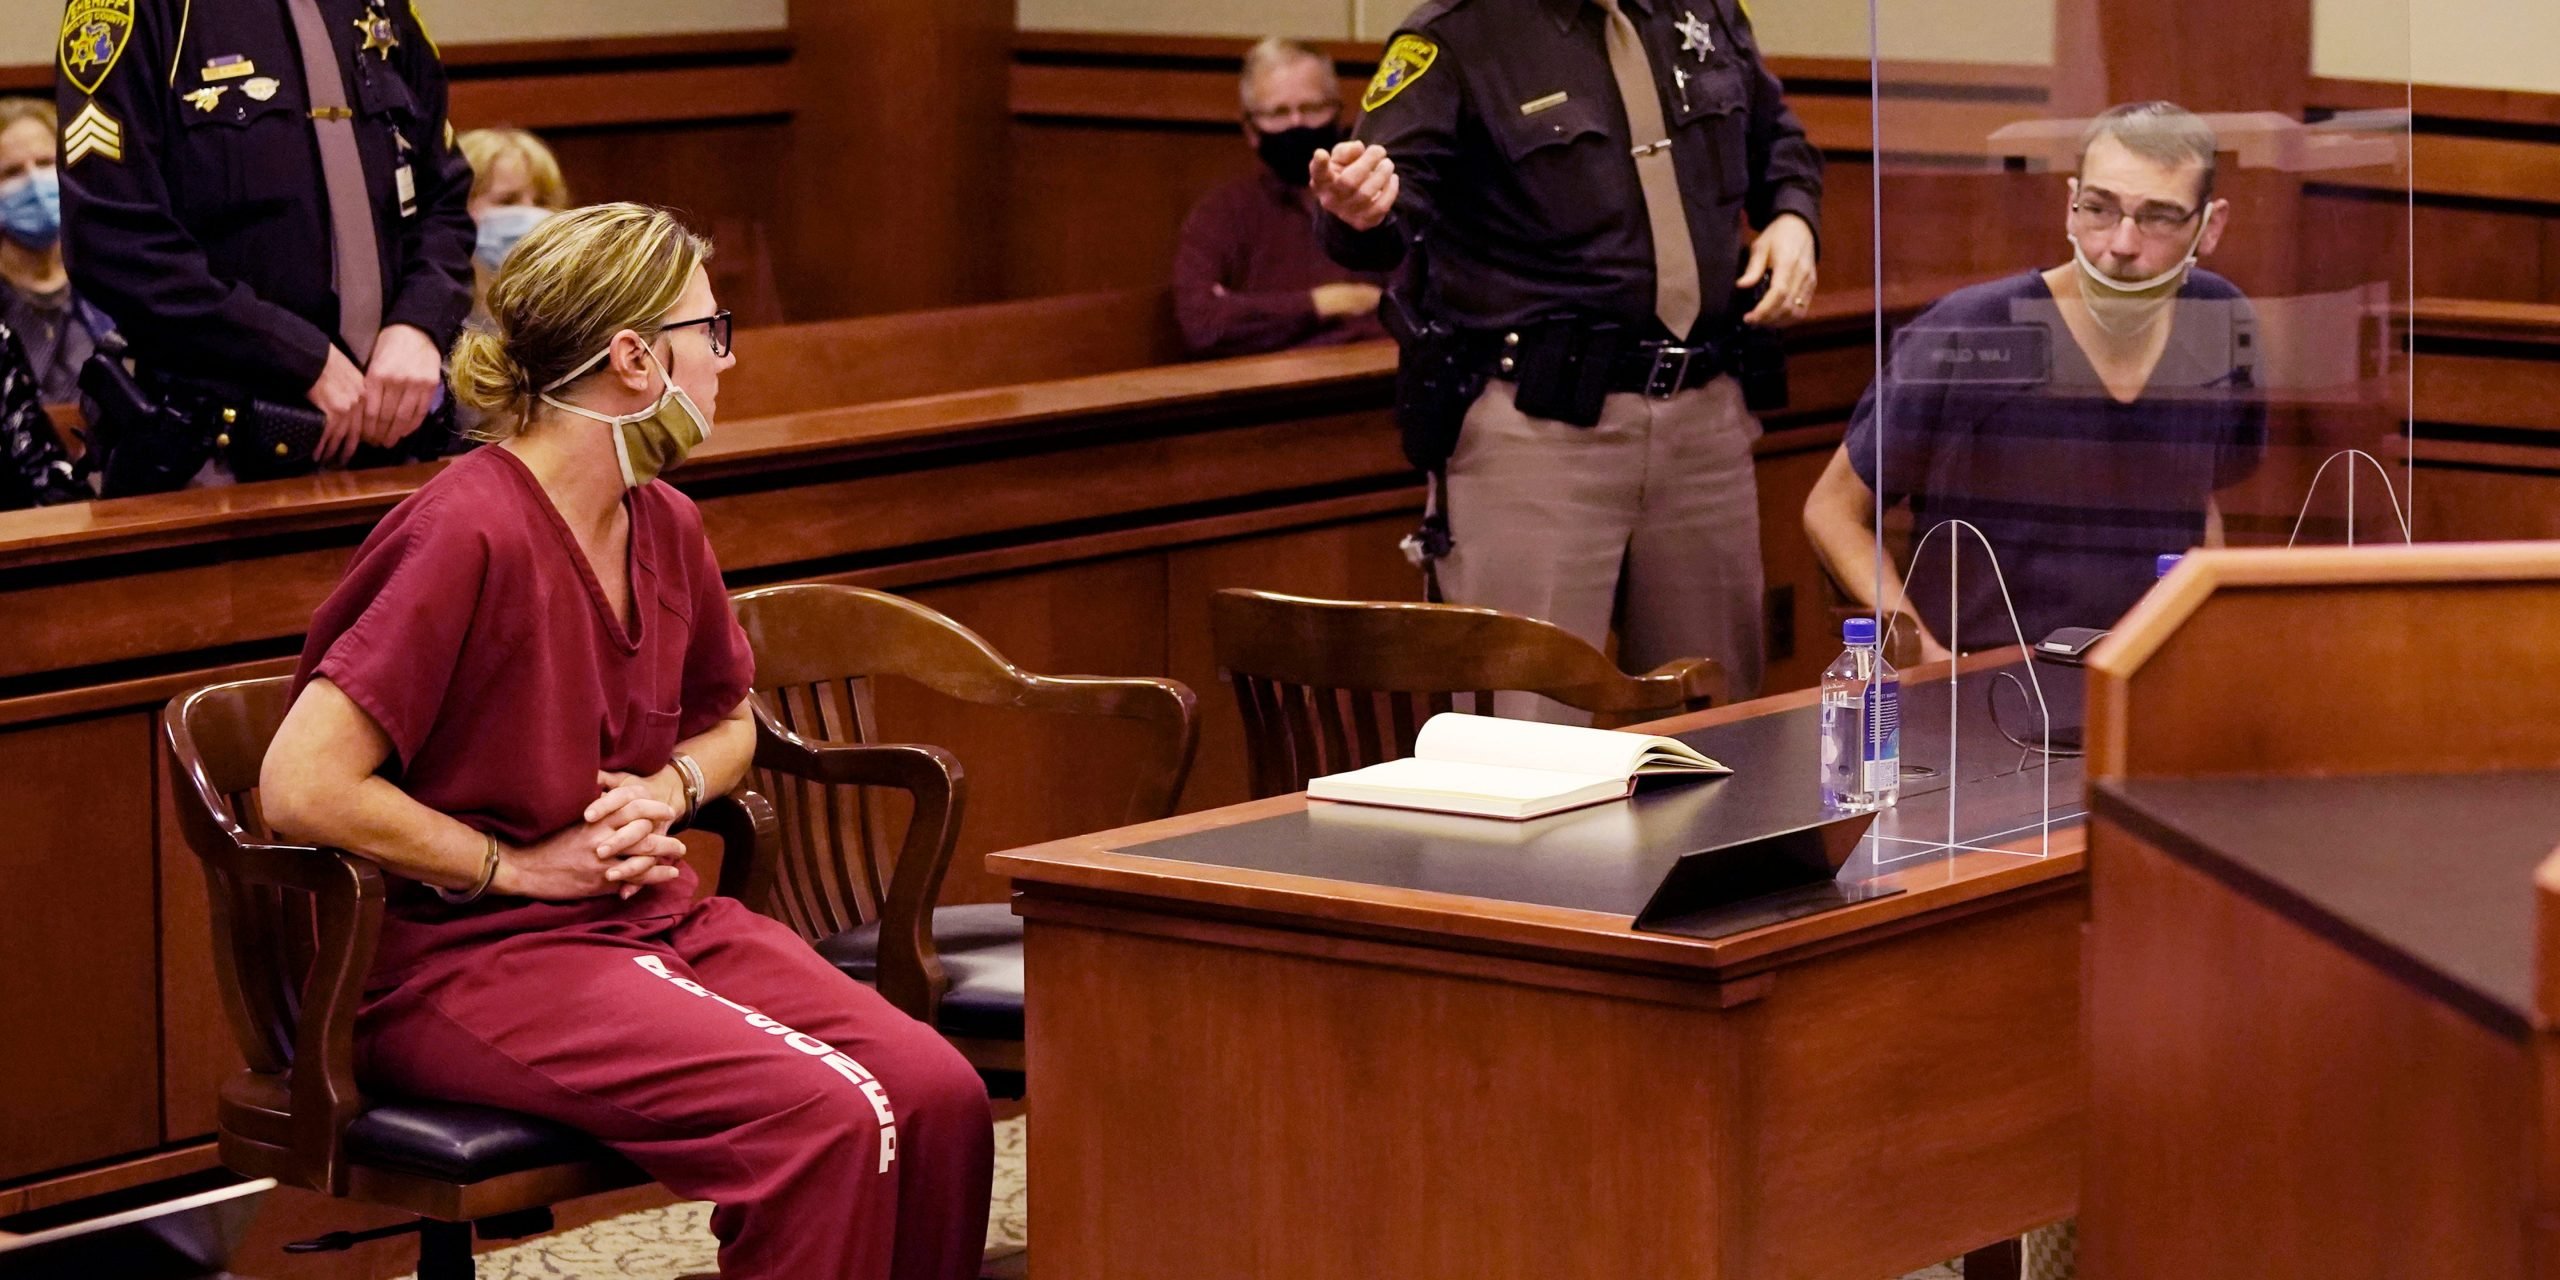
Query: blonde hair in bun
573,282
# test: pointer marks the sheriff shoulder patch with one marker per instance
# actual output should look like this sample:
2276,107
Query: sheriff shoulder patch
92,132
1405,61
94,34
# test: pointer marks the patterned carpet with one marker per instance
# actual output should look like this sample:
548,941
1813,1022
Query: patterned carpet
663,1244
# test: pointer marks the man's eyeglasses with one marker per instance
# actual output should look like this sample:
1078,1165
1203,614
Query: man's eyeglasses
1274,119
719,325
2156,221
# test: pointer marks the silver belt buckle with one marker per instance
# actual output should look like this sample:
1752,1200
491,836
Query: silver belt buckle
1663,381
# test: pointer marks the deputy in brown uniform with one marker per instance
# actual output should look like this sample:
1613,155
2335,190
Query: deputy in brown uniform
1575,174
266,198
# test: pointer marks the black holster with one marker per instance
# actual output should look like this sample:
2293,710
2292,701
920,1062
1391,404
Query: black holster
146,448
1438,378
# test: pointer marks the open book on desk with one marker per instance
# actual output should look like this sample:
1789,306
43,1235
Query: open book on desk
1514,769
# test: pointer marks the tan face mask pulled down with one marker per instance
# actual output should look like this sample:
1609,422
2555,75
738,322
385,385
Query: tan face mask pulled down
652,441
2127,307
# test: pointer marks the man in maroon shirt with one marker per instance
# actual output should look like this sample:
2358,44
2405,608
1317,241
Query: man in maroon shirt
1249,275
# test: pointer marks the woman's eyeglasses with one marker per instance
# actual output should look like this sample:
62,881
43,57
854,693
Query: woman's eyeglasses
719,325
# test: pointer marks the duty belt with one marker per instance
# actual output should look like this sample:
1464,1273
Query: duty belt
1657,368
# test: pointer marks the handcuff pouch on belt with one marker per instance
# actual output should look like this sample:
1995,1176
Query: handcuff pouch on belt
1563,372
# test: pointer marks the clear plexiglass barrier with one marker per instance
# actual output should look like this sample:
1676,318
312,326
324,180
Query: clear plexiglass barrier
2141,278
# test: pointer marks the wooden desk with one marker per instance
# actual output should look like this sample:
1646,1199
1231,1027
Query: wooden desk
1244,1072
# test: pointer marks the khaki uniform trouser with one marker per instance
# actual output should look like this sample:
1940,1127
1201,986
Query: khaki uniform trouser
1651,517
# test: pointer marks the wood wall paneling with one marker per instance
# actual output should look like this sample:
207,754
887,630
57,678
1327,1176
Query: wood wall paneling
896,162
1034,777
80,1060
1099,205
1800,590
728,179
799,368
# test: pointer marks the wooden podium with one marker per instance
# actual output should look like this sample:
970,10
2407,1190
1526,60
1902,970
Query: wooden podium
2324,951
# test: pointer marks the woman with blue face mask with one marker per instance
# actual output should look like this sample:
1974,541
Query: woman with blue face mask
45,335
515,184
35,294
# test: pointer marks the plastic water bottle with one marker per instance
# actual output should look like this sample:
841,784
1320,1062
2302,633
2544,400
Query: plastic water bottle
1861,725
2160,567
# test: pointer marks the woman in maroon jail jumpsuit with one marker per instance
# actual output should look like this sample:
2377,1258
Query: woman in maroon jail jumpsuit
529,672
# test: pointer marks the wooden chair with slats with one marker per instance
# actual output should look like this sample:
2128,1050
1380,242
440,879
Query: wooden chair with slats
294,931
868,901
1329,685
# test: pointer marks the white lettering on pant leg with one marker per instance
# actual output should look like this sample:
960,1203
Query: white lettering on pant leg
879,1100
835,1061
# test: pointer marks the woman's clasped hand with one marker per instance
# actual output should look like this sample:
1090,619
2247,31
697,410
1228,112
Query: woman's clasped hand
618,845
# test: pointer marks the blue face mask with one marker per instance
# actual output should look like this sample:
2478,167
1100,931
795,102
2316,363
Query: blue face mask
501,227
31,208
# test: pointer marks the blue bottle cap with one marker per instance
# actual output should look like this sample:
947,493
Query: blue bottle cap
1859,631
2160,568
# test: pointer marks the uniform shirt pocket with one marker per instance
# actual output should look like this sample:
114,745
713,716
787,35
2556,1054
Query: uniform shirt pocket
379,94
1562,154
1716,102
238,160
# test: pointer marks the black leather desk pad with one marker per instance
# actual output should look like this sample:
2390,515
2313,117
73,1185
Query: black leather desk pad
1611,857
2429,877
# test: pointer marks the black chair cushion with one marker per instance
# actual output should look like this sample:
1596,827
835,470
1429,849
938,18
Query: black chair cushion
458,1143
981,946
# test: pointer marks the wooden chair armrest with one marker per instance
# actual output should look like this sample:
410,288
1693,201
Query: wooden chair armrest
1700,682
910,966
348,892
750,844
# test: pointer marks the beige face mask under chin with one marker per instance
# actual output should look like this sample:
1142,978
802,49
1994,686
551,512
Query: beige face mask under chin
2127,307
651,441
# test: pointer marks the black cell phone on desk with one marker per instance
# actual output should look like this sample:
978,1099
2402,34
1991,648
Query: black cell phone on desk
2069,645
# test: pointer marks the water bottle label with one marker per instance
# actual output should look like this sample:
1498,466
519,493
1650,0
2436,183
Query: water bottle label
1882,750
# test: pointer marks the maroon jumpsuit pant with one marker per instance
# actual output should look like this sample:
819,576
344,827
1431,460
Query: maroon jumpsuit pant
837,1137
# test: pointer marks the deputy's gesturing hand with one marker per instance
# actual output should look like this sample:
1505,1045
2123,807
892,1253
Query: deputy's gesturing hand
1355,182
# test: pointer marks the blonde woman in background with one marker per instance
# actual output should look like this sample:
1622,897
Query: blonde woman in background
529,674
515,184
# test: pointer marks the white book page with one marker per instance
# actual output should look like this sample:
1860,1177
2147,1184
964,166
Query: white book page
1528,744
1423,778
